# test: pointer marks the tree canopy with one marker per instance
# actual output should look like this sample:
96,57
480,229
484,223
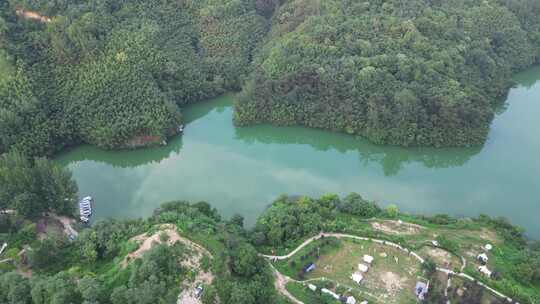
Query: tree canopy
397,72
114,74
33,186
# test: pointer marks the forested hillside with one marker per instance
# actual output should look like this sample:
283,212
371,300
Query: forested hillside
397,72
94,267
114,73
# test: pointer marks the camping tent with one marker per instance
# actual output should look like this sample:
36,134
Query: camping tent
368,259
363,267
485,271
357,277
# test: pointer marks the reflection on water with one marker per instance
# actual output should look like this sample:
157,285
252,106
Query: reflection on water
241,170
391,159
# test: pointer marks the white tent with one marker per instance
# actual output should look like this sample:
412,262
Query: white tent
351,300
488,247
312,287
485,271
363,267
357,277
368,259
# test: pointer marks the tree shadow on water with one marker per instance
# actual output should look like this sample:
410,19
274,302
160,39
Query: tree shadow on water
392,159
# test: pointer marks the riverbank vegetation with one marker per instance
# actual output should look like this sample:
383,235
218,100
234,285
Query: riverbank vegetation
91,268
115,74
426,73
31,187
291,220
116,261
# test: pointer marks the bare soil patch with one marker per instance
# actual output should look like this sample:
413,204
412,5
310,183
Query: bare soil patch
442,257
187,296
32,15
396,227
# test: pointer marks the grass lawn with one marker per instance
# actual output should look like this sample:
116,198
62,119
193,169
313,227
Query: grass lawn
387,280
458,293
304,294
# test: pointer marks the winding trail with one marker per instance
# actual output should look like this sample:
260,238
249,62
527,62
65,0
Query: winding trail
382,242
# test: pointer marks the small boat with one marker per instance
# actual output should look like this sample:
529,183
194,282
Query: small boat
85,209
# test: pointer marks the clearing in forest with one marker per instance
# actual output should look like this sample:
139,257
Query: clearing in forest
396,227
201,277
441,257
391,278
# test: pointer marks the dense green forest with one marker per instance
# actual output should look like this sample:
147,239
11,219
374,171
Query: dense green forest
33,186
88,270
408,73
114,73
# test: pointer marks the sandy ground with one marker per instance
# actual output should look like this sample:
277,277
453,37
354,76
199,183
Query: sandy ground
393,283
396,227
32,15
187,296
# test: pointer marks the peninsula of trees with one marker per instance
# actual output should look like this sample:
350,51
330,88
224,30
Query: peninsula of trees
116,73
407,73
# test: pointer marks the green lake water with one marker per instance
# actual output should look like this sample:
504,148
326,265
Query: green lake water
241,170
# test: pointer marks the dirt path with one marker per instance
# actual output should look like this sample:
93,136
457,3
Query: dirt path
280,284
386,243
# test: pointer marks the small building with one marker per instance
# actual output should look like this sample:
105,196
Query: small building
312,287
357,277
421,290
333,294
363,267
485,271
309,267
483,258
435,243
368,259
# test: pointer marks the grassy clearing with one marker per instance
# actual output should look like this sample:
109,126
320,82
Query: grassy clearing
387,280
461,292
391,279
304,294
293,266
